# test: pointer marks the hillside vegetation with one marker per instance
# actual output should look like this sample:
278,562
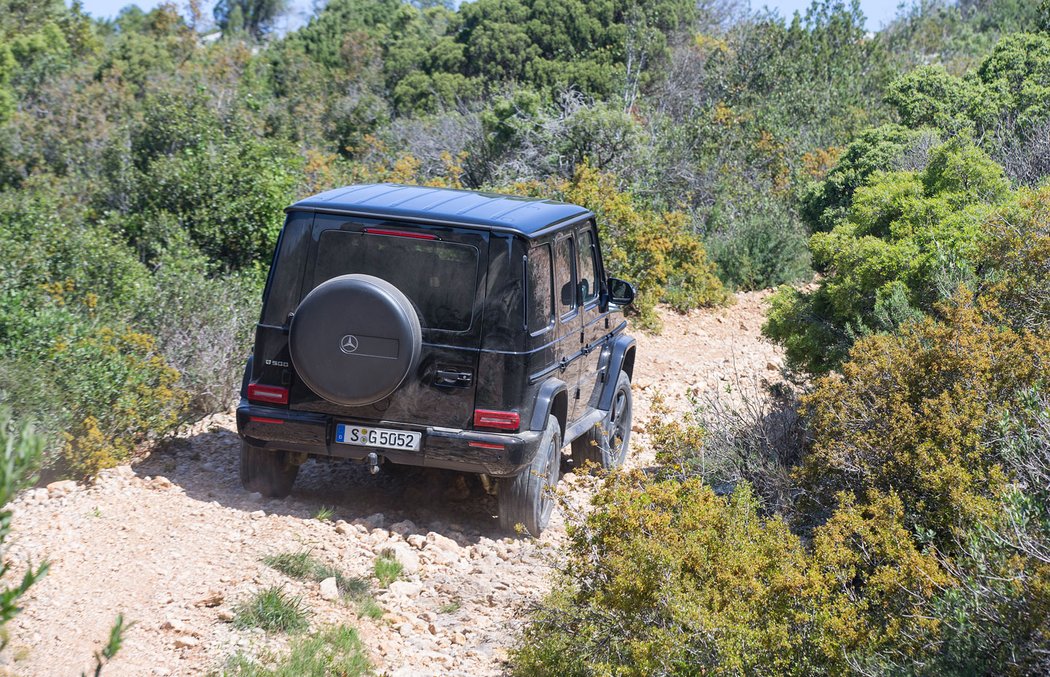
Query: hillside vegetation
891,514
887,515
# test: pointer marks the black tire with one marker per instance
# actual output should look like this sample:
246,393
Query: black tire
528,499
354,339
268,471
605,444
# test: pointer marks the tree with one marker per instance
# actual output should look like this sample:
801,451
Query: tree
256,17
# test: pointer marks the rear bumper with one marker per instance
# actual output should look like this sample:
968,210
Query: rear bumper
489,453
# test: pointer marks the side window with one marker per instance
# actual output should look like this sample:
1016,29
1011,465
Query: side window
539,282
587,268
564,276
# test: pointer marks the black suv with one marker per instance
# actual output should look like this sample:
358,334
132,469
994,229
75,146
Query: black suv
439,328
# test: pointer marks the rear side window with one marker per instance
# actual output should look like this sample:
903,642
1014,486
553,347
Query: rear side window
564,275
439,278
540,285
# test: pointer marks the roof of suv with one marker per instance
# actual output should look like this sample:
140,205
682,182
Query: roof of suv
526,216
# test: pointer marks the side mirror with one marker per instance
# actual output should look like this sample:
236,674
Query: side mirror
621,293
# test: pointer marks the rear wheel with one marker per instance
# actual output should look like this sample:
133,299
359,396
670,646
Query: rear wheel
605,444
528,498
268,471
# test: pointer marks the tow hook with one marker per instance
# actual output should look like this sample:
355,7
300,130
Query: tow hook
373,462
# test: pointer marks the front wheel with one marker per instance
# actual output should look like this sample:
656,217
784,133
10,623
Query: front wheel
605,444
528,498
268,471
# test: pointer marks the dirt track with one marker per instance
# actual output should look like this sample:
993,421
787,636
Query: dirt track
174,543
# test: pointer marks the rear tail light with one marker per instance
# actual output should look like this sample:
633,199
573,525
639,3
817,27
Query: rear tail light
500,420
401,233
268,394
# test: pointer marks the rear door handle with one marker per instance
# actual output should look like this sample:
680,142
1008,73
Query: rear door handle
455,379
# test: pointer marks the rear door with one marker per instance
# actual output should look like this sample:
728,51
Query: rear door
593,323
568,313
441,271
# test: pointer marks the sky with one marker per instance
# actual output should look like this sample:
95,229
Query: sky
878,12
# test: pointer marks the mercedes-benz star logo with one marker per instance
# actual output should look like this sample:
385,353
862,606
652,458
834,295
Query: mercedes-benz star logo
348,344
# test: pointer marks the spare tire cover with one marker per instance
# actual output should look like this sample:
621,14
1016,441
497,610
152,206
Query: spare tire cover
354,339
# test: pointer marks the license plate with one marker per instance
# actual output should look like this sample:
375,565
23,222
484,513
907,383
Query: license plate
383,438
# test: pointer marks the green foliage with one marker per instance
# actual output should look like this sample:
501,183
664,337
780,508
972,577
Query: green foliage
255,17
907,242
22,449
826,202
109,651
330,651
273,610
667,577
125,394
228,197
386,568
924,512
758,246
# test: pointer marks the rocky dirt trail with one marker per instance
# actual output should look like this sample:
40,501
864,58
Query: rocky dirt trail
174,543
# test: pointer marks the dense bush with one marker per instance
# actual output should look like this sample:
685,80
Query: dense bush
916,413
908,241
922,507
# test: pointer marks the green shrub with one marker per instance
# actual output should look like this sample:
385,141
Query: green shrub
331,651
20,455
273,610
668,578
386,568
124,393
908,242
825,202
228,196
1016,259
203,322
761,246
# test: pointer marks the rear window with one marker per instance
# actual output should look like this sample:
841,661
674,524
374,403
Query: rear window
439,278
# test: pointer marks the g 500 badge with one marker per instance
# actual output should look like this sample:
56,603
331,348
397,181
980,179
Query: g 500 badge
276,363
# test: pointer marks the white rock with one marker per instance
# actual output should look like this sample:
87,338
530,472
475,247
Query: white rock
407,556
405,589
417,541
436,540
329,589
